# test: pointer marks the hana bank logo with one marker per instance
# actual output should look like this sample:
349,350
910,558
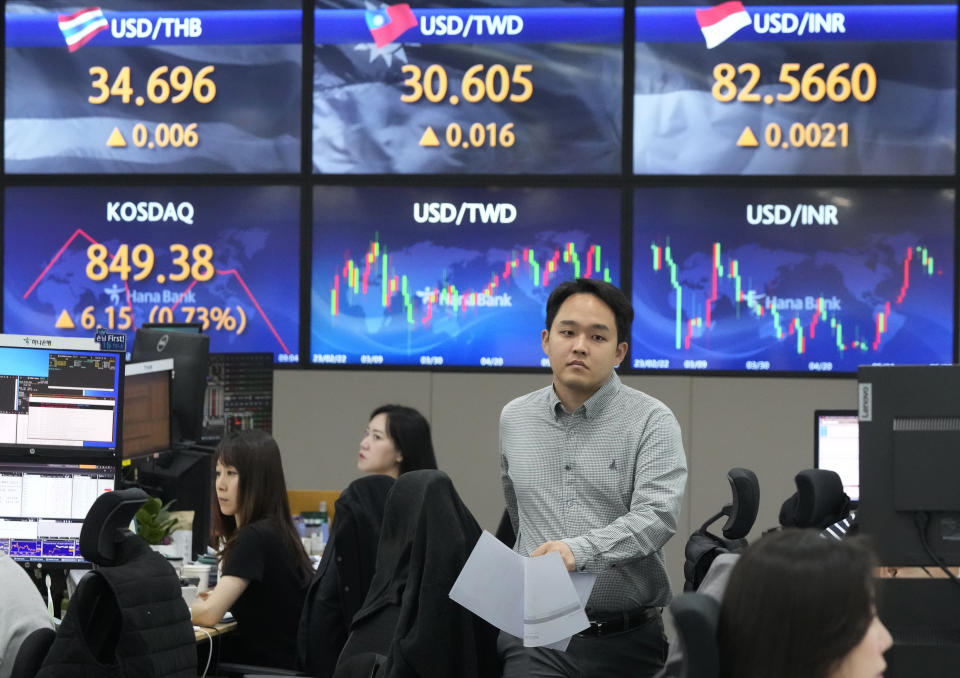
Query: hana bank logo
79,28
389,22
718,24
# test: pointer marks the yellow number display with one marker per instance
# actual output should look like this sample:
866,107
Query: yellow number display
495,83
195,263
163,84
813,84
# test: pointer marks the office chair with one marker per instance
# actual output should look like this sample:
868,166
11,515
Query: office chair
703,546
818,502
127,616
695,617
343,578
407,616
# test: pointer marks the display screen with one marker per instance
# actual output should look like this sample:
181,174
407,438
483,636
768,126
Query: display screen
151,86
800,88
52,396
806,280
837,447
450,276
468,87
75,258
42,507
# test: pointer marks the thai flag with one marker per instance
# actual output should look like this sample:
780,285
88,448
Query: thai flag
79,28
389,23
719,23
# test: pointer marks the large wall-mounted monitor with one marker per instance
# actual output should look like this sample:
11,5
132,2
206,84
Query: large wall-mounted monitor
42,507
450,276
141,86
792,279
787,88
59,397
475,87
227,257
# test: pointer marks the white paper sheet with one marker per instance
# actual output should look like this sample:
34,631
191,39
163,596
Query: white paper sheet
535,599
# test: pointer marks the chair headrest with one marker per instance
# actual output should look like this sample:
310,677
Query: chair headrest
818,502
746,502
109,515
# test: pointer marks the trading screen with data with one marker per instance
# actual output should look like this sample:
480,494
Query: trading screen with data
57,398
42,507
379,184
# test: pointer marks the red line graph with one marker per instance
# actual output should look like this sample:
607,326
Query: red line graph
126,284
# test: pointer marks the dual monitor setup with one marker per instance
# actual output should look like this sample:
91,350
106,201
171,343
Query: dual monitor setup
77,421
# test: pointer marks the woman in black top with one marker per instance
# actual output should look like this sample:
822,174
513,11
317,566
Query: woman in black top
265,571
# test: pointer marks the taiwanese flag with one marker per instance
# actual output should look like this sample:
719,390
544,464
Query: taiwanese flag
719,23
79,28
389,23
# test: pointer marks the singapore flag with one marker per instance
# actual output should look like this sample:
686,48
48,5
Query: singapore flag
720,22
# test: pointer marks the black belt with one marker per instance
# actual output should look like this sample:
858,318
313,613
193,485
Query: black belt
605,623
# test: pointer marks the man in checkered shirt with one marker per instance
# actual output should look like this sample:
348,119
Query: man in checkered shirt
594,470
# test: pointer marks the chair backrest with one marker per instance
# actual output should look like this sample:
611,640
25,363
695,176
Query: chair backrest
340,585
427,536
127,617
106,522
818,502
695,618
703,546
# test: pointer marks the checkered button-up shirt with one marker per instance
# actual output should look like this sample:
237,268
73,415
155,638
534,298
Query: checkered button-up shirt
607,479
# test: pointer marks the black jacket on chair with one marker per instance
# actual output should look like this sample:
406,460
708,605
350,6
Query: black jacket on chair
427,536
138,615
343,577
127,618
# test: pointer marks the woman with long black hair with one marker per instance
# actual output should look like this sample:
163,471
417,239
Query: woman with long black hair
264,568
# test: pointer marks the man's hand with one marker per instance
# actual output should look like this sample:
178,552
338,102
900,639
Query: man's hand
560,547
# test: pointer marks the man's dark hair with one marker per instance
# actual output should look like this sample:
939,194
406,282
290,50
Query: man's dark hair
604,291
796,604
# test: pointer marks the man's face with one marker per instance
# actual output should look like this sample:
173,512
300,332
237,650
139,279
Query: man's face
582,344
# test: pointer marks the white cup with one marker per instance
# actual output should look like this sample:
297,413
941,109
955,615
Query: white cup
200,572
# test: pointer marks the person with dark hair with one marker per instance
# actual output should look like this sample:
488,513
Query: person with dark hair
798,605
396,440
594,470
265,571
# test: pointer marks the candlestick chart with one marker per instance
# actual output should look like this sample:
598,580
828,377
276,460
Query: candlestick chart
441,294
873,285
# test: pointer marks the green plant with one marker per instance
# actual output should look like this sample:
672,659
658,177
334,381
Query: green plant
154,523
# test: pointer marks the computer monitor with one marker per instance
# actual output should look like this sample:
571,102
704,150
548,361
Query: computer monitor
43,504
910,462
836,447
59,396
191,328
190,354
146,407
182,476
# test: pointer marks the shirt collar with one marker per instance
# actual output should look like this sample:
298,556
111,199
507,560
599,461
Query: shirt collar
595,404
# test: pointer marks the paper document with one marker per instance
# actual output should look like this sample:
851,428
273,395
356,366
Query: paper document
535,599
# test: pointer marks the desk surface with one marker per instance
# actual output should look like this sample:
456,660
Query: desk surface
214,631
